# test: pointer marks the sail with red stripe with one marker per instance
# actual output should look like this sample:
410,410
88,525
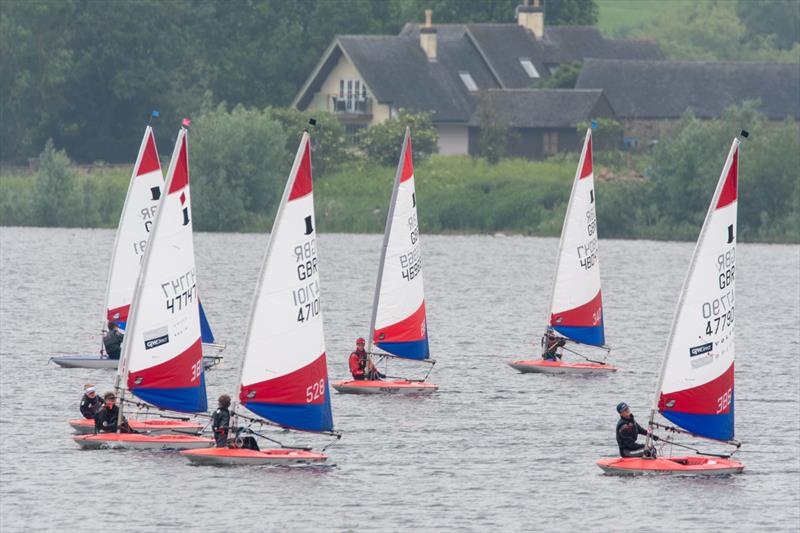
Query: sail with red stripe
399,324
162,356
696,383
576,304
284,375
135,224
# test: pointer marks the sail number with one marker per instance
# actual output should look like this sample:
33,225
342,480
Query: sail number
180,292
315,390
411,264
587,253
306,296
724,401
719,323
197,369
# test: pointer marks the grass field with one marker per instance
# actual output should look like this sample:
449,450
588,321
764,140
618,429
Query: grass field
621,17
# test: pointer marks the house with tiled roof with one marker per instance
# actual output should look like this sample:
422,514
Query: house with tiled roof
447,70
648,96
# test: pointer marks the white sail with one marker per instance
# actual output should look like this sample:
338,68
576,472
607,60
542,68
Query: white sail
696,382
284,375
399,324
576,304
135,224
162,357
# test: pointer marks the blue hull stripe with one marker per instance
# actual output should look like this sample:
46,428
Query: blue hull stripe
205,328
718,427
410,350
185,400
309,416
594,335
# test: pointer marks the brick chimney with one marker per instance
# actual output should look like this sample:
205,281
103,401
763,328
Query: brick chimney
531,17
427,37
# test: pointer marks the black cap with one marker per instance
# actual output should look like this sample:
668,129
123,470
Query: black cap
622,406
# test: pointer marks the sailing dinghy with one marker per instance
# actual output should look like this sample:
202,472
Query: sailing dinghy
162,359
135,224
283,378
398,326
576,303
695,385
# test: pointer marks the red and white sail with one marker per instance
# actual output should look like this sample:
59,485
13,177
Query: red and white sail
696,384
576,305
399,324
162,357
135,225
284,374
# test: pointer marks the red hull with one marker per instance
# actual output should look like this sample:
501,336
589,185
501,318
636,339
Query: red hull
382,387
541,366
691,465
241,456
86,425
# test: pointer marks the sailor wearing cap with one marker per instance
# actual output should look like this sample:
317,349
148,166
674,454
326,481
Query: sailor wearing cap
90,402
628,430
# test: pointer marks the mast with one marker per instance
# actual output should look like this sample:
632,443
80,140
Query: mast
692,265
578,170
147,133
387,232
122,368
281,207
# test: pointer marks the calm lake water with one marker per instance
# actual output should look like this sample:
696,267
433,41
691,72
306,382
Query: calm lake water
493,451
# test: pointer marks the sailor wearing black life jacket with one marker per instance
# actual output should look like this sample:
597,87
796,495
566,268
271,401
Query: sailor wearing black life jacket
112,340
90,402
221,420
106,419
551,344
628,430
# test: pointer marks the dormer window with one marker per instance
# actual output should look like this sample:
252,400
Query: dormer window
469,83
527,66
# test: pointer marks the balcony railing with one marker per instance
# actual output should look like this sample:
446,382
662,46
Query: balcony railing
351,105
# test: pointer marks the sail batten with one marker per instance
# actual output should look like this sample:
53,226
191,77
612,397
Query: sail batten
576,303
162,357
696,383
283,374
399,321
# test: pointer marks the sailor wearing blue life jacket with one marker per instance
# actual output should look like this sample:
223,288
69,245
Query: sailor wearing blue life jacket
90,402
221,421
628,430
551,344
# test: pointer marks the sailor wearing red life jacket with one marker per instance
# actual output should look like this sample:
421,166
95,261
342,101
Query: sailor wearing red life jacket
359,362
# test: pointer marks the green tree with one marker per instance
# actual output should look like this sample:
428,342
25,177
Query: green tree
564,77
327,136
778,19
239,167
383,143
54,202
713,31
493,139
687,164
570,12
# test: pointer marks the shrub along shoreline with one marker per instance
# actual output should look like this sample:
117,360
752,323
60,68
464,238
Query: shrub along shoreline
457,195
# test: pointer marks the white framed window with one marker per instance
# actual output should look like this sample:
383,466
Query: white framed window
469,83
527,66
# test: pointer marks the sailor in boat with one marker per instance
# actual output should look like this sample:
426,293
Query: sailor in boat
112,340
90,402
551,344
361,367
221,420
106,419
628,430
